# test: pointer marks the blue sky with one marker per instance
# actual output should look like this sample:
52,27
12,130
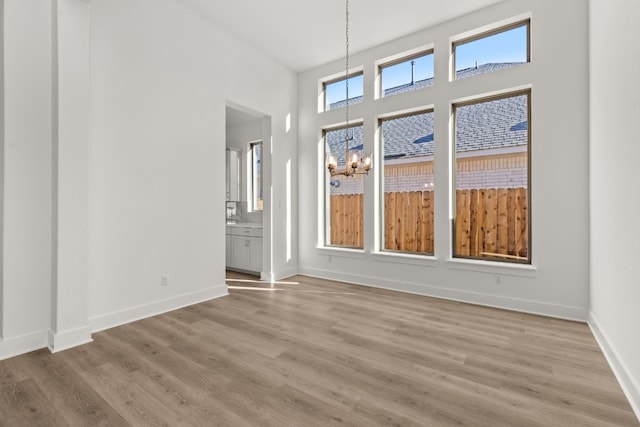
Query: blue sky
508,46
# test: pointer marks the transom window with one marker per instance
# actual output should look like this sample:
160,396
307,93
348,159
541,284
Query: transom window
406,74
502,48
335,91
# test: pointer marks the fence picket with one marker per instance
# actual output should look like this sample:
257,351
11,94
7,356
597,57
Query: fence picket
502,222
390,221
522,238
463,222
474,228
490,220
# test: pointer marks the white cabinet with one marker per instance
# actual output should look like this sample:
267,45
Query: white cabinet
233,174
244,248
255,254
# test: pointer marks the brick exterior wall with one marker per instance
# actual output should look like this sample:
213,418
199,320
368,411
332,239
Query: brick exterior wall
504,171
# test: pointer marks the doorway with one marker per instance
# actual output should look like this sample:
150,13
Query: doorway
247,203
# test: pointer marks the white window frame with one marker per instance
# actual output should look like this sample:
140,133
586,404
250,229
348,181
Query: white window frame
453,187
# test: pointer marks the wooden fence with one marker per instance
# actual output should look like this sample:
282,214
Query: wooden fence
409,221
490,223
346,220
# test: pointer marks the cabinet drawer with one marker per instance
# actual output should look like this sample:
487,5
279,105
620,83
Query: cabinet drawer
246,231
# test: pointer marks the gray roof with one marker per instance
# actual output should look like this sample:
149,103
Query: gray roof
485,69
413,136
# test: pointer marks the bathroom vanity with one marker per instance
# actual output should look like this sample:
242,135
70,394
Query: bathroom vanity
244,247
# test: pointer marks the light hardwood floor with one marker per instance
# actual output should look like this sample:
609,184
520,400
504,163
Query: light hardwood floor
311,352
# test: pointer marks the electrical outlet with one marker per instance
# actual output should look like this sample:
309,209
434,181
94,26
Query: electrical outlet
164,281
498,279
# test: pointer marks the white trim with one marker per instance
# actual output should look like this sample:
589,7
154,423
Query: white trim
110,320
284,274
507,303
265,277
479,31
493,267
405,258
484,97
341,252
630,386
15,346
412,111
68,339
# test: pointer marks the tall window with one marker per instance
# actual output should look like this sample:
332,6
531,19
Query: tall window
255,149
492,143
408,184
502,48
407,74
344,195
335,91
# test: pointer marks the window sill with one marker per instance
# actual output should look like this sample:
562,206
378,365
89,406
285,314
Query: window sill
341,252
492,267
405,258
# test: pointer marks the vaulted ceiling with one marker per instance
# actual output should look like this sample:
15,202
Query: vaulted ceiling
302,34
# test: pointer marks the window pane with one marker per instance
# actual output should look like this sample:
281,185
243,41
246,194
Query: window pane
492,180
494,52
407,149
256,176
412,74
344,195
336,92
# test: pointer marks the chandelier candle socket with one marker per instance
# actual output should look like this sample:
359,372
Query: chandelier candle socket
355,163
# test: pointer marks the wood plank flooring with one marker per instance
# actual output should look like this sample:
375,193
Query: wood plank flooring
311,352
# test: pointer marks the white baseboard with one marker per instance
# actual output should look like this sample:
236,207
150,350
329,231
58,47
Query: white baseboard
629,385
267,277
68,339
285,274
508,303
15,346
110,320
278,275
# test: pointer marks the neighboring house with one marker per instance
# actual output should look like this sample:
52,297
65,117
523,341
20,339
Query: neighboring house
489,154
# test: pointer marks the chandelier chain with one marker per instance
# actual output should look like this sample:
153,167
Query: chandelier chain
346,131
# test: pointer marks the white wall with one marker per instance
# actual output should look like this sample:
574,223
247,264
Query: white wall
558,283
27,175
615,200
161,79
239,136
1,163
113,168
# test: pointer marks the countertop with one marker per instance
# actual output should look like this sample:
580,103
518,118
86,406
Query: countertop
245,224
